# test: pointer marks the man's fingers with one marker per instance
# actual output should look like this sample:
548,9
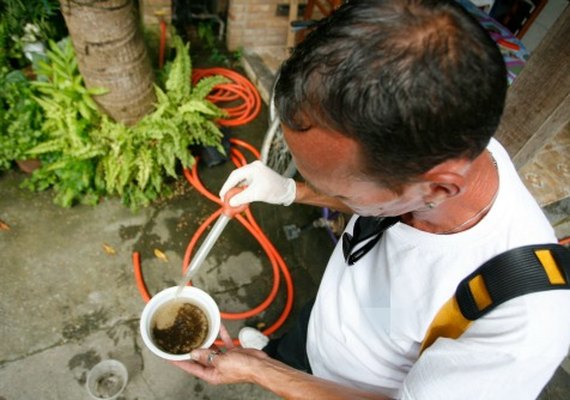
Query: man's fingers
236,177
201,355
190,367
226,338
197,370
228,184
241,198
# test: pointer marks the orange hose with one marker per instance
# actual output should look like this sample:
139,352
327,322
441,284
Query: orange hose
239,89
246,112
162,45
141,286
249,223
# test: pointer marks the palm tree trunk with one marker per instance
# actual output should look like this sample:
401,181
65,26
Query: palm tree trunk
111,54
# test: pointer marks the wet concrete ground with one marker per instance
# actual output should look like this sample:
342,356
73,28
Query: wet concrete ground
67,302
68,297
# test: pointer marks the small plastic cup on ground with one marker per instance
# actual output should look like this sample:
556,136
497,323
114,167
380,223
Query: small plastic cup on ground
107,380
191,295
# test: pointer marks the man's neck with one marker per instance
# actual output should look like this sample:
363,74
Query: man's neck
465,210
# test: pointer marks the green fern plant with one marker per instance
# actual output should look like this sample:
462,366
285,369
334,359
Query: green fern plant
93,156
69,154
142,156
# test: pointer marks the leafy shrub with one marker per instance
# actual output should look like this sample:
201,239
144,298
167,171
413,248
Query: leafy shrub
20,118
69,153
15,16
89,155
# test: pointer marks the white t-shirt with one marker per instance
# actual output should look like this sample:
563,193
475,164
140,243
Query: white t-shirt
369,319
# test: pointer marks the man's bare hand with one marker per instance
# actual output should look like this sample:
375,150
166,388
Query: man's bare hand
234,365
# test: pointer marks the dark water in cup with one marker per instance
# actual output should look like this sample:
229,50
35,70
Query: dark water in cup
178,327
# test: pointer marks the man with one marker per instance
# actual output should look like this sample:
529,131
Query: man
388,109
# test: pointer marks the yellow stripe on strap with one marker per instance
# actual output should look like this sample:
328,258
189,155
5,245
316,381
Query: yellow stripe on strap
449,322
480,292
550,267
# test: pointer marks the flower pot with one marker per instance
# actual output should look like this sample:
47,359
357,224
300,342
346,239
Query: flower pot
29,166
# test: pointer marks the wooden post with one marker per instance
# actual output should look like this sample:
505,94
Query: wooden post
293,12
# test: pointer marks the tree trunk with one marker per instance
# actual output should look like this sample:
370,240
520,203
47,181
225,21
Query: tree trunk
111,54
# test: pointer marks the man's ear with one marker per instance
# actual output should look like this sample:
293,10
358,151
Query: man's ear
445,180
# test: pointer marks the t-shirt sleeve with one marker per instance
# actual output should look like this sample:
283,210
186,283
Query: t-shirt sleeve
509,354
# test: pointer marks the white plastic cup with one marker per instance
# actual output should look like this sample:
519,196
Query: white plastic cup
107,380
191,295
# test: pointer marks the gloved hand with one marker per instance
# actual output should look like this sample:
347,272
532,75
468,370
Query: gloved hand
263,184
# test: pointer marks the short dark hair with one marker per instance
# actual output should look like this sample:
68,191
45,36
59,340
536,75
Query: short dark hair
415,82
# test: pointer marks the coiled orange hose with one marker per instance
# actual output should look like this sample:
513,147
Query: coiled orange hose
239,115
240,88
248,221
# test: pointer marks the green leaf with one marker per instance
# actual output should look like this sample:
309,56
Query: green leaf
144,163
111,171
89,102
178,82
84,110
55,50
73,65
197,106
205,86
56,165
47,147
65,198
127,169
97,91
88,153
61,65
156,182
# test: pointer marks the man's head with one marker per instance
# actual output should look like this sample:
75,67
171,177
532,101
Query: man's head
414,83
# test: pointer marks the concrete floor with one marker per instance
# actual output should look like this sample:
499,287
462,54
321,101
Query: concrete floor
66,303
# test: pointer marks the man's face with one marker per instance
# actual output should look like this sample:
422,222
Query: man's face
331,164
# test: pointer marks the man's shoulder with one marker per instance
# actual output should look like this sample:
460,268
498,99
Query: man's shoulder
523,324
509,353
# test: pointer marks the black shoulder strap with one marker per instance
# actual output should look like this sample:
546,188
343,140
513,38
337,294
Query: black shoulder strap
511,274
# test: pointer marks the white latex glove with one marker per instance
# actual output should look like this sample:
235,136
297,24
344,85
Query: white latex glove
263,184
